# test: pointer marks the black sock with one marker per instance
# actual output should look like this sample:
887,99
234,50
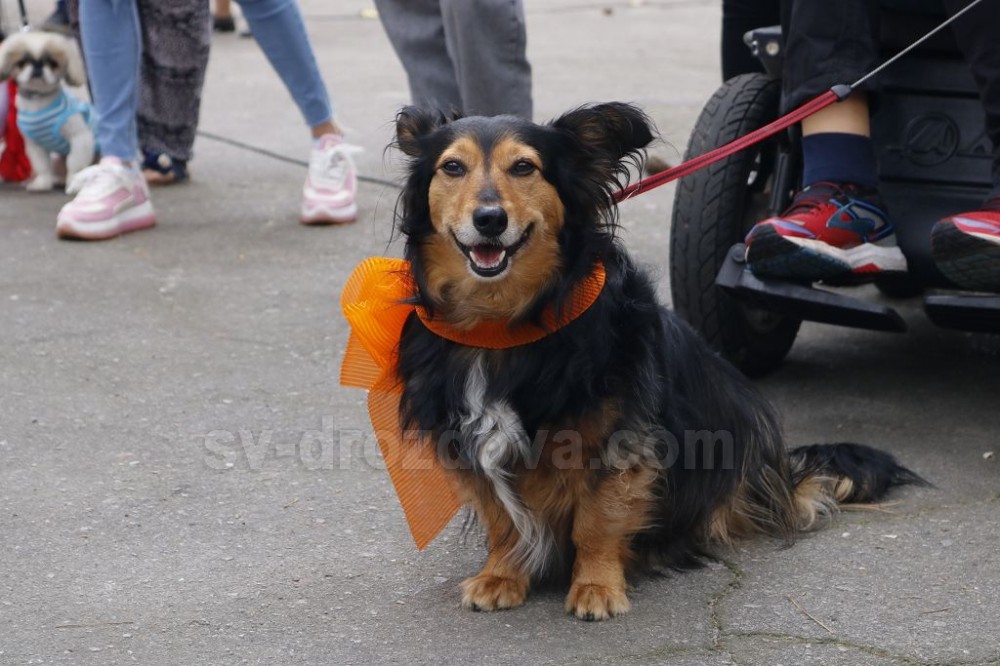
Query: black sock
838,157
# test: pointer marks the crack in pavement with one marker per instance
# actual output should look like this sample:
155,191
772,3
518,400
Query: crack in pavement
714,614
721,640
864,649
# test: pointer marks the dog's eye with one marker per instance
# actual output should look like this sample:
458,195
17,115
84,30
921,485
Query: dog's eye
522,168
453,168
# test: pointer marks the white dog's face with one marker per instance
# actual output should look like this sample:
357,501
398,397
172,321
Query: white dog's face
38,61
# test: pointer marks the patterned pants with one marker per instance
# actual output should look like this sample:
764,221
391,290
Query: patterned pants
176,36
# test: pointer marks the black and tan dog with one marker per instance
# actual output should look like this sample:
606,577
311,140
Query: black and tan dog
618,439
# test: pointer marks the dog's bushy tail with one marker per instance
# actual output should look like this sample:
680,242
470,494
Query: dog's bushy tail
827,475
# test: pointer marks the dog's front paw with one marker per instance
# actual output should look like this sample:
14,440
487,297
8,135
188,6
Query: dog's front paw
596,602
40,184
487,593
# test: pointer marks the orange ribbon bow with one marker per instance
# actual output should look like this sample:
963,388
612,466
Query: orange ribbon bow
375,305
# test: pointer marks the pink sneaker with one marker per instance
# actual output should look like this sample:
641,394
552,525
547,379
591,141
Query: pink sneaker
328,195
111,199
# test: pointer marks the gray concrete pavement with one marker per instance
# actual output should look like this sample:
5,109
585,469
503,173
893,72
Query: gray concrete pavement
182,481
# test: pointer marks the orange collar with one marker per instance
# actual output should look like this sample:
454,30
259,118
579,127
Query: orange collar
374,303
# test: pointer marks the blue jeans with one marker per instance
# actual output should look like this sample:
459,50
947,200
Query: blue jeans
113,46
278,27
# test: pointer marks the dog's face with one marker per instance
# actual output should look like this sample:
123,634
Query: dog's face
496,210
39,61
487,197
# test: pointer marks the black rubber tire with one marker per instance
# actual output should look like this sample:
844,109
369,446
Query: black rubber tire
713,209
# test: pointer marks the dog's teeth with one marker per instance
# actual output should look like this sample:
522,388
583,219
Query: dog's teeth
488,256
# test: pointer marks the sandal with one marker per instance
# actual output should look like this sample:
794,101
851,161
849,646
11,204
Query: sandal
223,24
162,169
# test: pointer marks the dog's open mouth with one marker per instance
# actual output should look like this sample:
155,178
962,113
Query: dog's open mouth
492,258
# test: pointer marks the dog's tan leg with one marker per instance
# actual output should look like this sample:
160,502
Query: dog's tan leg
501,583
603,525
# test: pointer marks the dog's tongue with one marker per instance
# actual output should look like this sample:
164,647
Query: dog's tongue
487,256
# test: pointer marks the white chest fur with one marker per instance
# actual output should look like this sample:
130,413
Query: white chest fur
498,440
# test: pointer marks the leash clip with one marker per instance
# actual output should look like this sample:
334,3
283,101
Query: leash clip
842,91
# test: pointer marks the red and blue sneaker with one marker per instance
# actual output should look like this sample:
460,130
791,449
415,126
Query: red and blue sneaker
966,247
833,232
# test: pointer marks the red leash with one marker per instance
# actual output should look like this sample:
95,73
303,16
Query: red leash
835,94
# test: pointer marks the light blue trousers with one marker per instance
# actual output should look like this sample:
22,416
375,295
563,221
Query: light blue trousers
113,47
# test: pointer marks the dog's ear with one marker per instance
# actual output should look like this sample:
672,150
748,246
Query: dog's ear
412,125
614,131
11,52
72,61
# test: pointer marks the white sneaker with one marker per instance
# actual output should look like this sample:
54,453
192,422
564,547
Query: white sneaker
111,199
328,196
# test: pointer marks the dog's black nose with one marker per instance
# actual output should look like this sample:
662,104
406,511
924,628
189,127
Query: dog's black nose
490,220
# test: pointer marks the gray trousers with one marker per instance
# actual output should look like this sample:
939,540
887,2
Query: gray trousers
462,55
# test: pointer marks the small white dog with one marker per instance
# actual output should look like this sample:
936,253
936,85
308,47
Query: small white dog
51,120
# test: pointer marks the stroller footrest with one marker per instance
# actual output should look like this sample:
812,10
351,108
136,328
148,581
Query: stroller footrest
965,313
802,301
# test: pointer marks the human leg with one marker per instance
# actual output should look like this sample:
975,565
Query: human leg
58,20
112,46
826,44
842,36
976,34
222,17
111,196
966,246
330,188
487,41
836,229
176,40
278,27
417,33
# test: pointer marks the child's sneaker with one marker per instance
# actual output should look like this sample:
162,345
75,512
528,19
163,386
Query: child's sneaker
837,233
966,247
329,192
111,199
